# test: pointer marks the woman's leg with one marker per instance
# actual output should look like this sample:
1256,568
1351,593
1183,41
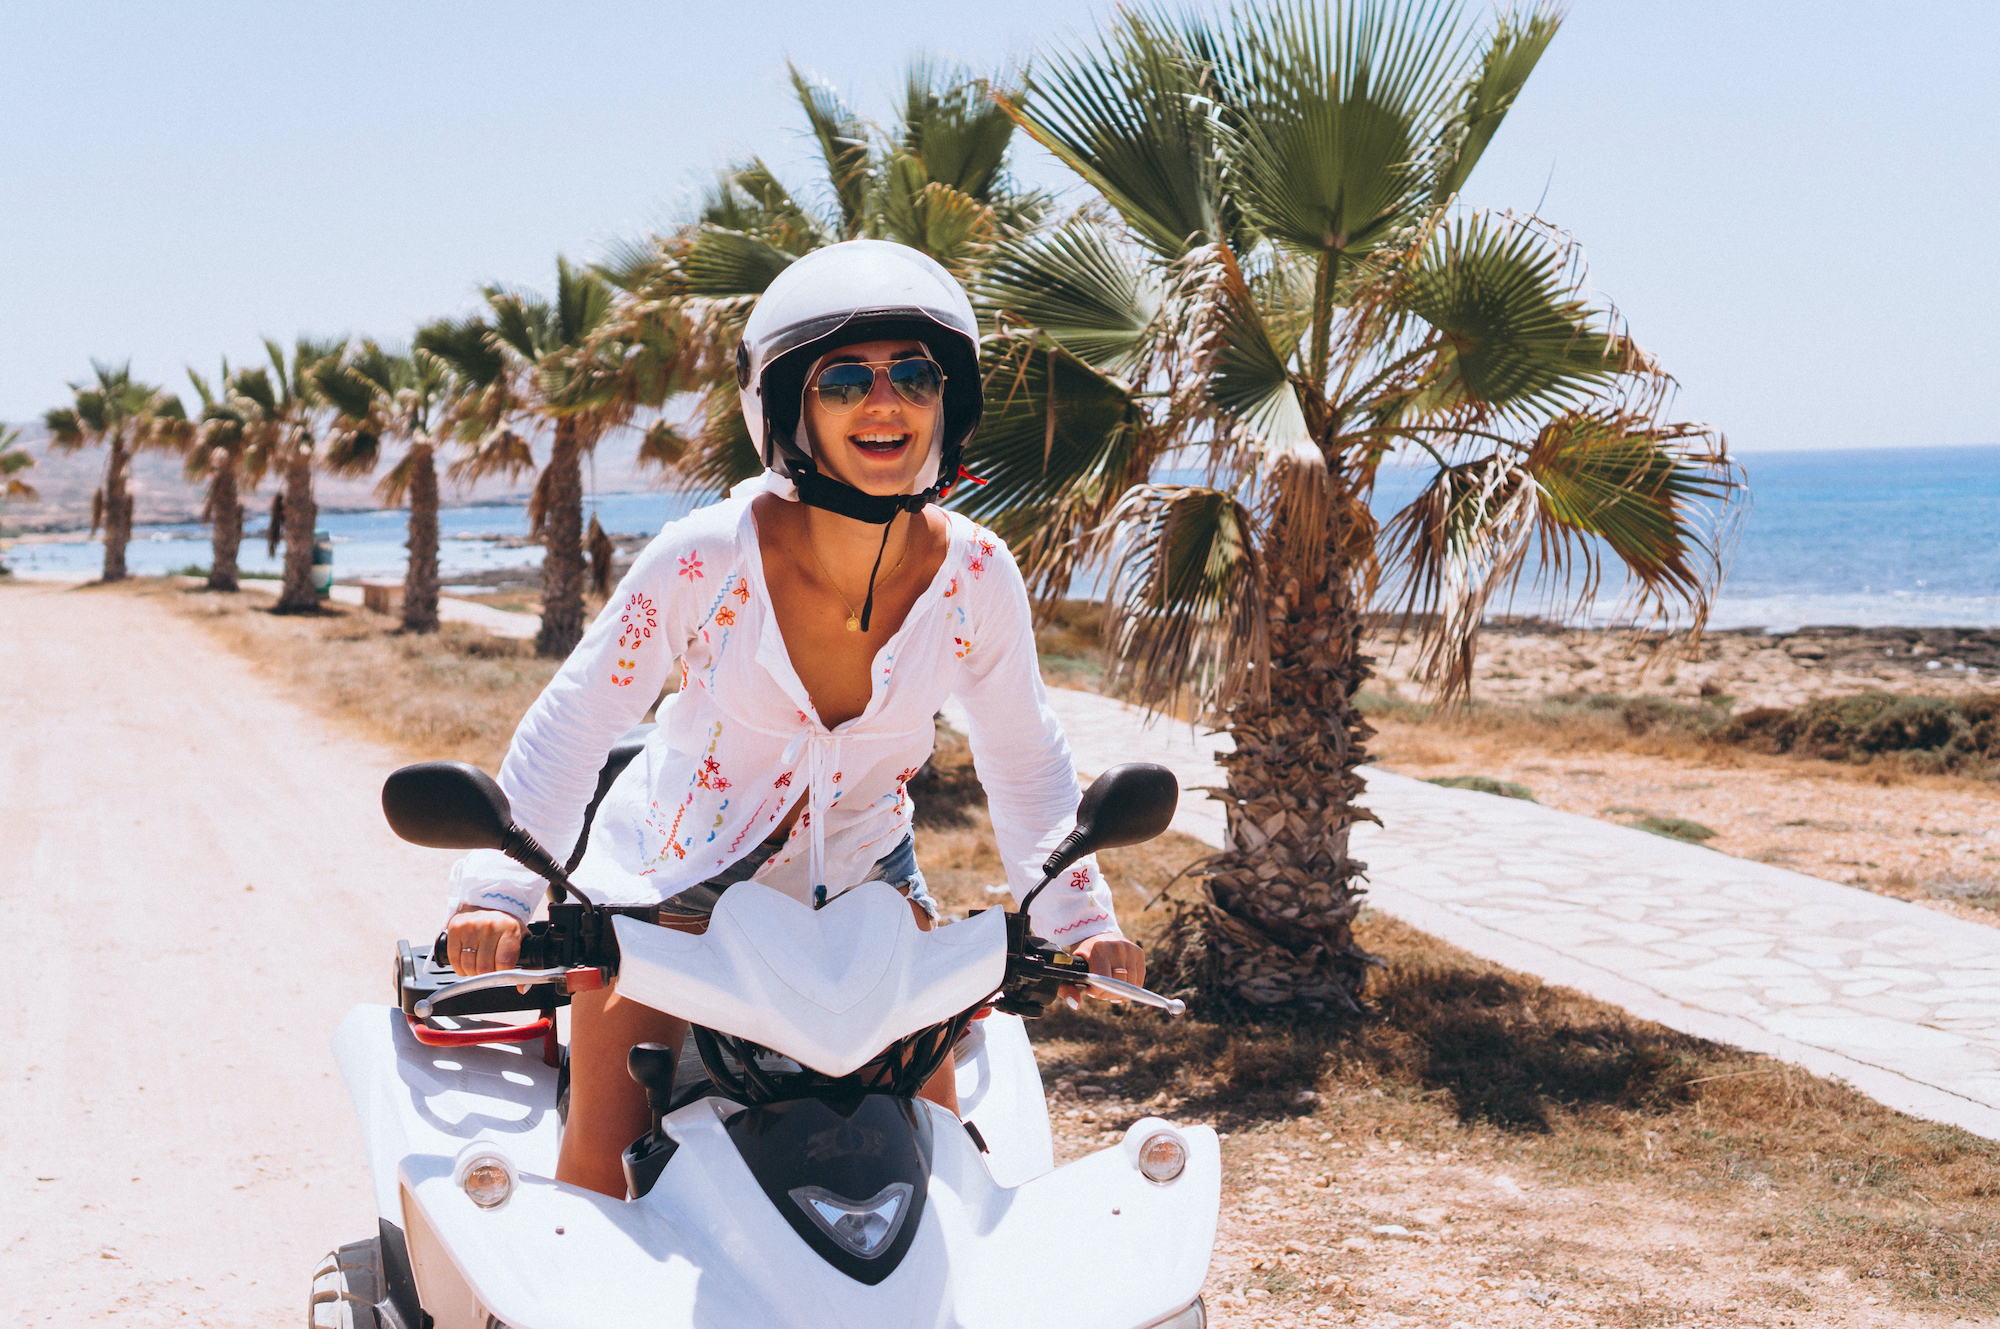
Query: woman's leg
607,1108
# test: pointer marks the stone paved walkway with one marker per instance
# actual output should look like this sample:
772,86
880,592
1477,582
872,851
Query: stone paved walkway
1900,1001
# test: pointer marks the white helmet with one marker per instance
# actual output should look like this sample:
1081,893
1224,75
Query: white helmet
859,290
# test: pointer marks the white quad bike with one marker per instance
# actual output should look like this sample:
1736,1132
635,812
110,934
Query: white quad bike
792,1177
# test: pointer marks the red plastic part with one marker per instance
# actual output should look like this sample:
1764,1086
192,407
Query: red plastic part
462,1038
582,980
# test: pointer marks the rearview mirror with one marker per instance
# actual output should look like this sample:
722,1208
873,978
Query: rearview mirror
447,805
450,805
1128,804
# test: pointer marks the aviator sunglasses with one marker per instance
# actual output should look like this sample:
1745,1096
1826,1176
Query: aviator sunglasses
844,386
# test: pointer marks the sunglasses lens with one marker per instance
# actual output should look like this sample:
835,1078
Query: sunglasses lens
919,381
843,387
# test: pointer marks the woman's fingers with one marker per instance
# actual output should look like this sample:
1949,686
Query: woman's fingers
1114,957
482,941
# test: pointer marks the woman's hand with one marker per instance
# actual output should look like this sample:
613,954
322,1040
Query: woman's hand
483,940
1113,956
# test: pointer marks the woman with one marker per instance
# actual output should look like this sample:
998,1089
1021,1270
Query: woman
819,616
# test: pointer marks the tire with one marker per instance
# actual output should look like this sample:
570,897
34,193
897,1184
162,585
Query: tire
346,1287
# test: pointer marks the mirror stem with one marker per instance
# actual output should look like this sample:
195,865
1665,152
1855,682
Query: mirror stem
524,849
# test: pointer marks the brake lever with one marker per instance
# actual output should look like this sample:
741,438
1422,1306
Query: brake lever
571,981
1118,987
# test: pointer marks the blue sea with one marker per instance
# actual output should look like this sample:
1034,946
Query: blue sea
1905,537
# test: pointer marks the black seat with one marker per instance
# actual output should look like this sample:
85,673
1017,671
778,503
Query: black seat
615,763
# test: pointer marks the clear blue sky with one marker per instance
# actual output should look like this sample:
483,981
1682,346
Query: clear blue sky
1790,200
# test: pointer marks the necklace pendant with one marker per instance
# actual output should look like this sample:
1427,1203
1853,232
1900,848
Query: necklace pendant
854,622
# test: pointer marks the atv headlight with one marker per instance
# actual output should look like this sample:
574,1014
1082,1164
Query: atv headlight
485,1174
1159,1151
862,1227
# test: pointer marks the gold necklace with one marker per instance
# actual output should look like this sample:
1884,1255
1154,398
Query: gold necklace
853,614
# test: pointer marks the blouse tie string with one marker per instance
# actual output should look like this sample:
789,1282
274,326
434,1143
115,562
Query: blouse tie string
822,753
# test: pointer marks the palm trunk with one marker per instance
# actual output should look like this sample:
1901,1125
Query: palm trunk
298,596
225,515
117,510
420,582
562,541
1277,927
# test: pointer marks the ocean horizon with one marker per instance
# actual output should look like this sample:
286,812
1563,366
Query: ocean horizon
1903,537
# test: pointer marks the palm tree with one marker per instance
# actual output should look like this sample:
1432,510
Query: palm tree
285,417
1277,288
528,364
126,416
937,180
13,460
378,396
225,450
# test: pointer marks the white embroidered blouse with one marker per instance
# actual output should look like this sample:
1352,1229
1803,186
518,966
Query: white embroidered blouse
740,742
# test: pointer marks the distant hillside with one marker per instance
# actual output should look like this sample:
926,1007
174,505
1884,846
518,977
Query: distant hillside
67,480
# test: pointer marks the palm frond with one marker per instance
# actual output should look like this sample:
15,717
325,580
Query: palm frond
1329,105
1078,285
843,144
1061,442
499,452
1515,334
583,302
724,454
784,221
1133,119
953,228
66,428
1516,47
467,345
1187,599
1595,490
1455,545
730,264
345,388
393,490
663,446
1657,498
352,452
954,129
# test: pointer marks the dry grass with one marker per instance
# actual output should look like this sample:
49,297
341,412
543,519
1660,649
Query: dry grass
454,695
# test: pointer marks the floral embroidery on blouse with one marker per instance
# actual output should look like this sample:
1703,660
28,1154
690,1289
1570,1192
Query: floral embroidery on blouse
725,616
636,626
691,566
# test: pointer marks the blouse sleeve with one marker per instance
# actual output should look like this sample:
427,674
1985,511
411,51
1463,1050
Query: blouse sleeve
601,691
1022,758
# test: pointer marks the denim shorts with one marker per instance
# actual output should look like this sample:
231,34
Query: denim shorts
898,867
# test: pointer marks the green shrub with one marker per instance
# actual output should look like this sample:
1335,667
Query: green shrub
1484,784
1940,734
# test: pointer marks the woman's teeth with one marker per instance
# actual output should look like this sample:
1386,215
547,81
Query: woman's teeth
879,442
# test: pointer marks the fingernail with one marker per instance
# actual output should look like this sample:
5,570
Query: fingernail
1072,1003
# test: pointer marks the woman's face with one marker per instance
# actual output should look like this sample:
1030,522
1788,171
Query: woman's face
881,445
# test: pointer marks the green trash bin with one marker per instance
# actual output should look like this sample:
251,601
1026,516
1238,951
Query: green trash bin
322,574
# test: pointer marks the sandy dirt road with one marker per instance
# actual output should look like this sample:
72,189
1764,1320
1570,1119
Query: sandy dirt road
198,885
